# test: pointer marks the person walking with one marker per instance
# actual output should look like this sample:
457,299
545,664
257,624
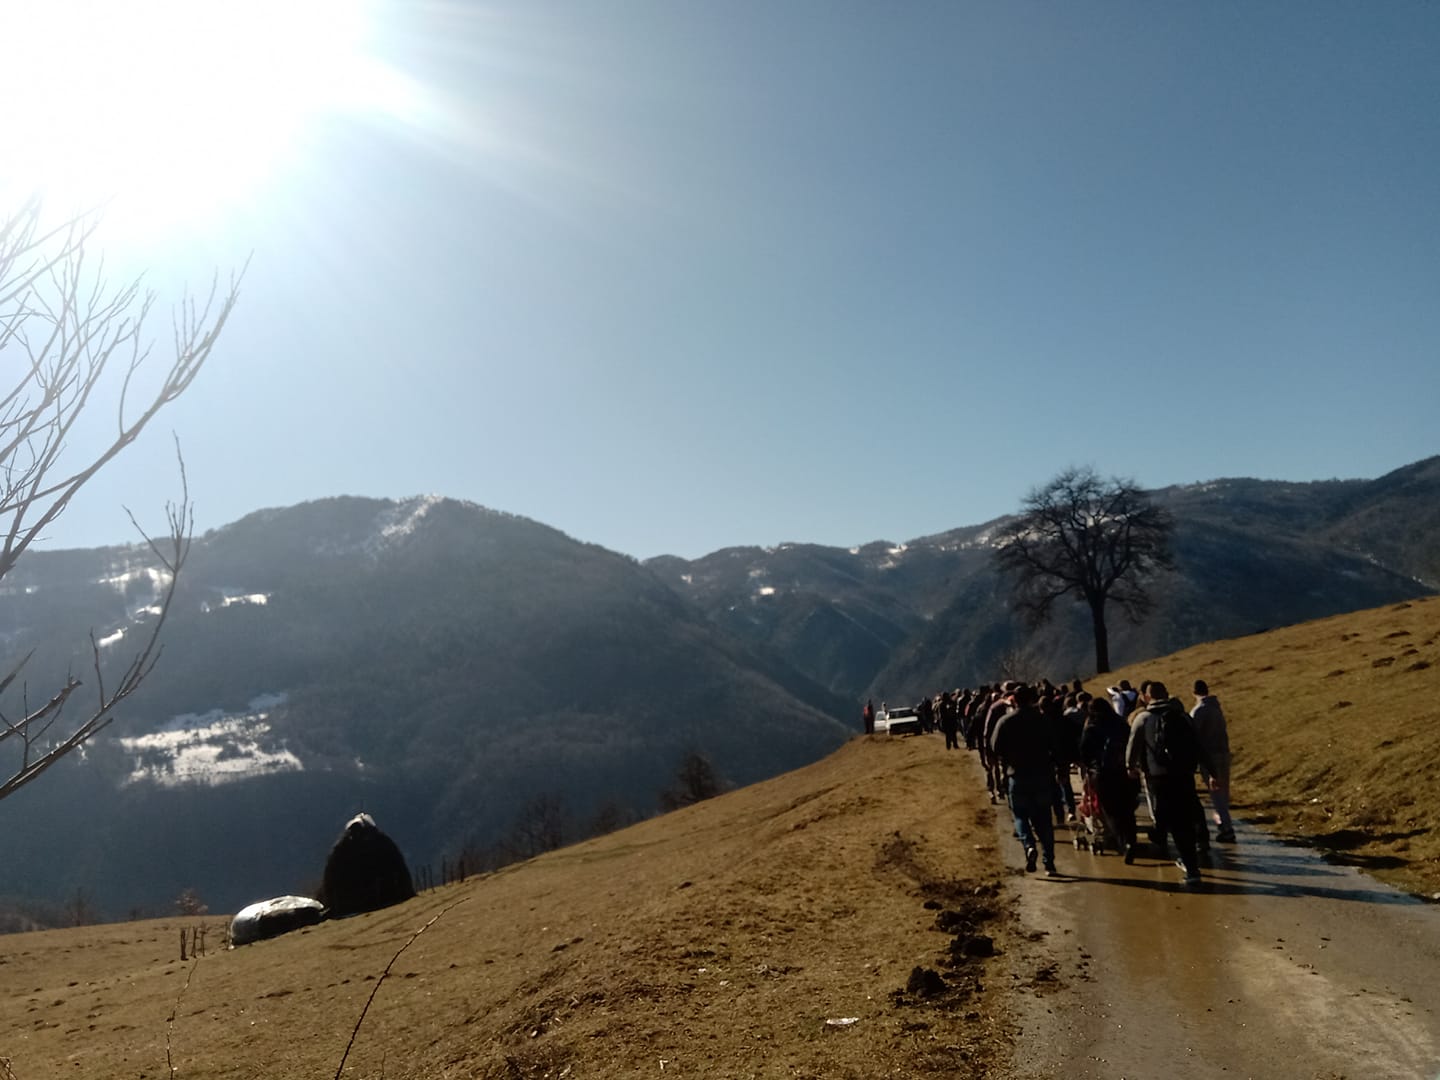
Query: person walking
1023,743
867,715
965,707
1123,699
925,709
1066,739
1001,702
1103,742
1214,740
950,721
1163,747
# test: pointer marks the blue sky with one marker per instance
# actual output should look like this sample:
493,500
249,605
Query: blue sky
674,277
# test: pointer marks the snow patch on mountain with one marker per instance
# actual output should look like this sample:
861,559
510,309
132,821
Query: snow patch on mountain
214,747
892,558
154,576
404,518
231,597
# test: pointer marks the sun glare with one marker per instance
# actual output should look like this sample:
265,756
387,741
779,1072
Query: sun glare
168,110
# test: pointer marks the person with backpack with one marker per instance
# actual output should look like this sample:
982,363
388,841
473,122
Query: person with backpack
1163,747
1023,743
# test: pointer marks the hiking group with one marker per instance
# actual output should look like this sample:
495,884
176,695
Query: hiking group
1123,743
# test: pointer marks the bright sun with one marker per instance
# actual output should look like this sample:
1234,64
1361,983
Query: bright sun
168,110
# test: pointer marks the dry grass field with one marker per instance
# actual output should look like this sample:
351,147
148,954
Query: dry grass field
771,932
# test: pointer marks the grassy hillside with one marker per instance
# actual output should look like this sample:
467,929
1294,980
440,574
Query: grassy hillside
718,940
1335,727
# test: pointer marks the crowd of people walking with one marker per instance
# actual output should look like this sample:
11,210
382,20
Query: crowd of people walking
1123,744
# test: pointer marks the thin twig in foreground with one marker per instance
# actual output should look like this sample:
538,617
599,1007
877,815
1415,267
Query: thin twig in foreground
433,919
175,1010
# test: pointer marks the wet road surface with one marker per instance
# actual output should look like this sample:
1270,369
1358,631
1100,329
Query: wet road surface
1280,965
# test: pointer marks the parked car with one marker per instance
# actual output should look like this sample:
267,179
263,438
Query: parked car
901,720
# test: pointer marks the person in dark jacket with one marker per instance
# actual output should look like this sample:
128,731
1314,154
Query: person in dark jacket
1001,702
1067,753
1170,779
1102,755
1023,743
969,726
925,709
949,721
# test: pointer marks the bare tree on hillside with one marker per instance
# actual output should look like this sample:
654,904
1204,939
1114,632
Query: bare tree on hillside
543,824
1089,539
695,781
77,362
80,908
610,816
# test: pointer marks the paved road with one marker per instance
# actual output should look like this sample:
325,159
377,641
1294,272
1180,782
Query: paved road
1281,966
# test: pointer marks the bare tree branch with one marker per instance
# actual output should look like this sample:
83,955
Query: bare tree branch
75,343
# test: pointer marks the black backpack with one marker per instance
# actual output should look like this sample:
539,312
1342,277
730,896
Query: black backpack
1173,741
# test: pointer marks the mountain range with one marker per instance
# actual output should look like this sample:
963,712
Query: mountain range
905,619
467,675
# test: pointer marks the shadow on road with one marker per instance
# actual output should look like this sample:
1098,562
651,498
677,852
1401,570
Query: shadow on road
1262,869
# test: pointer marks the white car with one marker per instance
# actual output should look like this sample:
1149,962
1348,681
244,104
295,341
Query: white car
901,720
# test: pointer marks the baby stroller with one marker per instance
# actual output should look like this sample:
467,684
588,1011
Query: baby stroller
1090,831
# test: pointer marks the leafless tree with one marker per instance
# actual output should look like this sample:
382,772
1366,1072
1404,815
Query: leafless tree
1089,539
72,349
541,825
695,781
610,816
1017,664
80,908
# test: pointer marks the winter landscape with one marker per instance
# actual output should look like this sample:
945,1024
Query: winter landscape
604,541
